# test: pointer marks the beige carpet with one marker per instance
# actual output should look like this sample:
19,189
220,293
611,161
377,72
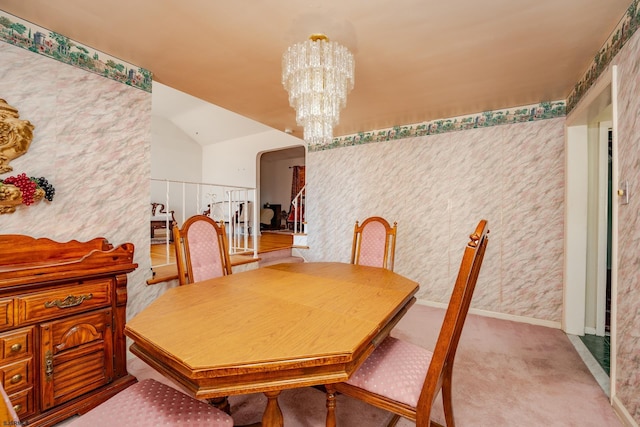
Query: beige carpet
506,374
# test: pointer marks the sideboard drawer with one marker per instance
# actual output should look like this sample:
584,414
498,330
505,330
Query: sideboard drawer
6,313
22,402
64,300
16,344
16,376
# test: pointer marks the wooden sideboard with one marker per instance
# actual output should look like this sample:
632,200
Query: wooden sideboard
62,316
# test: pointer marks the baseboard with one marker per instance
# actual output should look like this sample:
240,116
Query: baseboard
622,412
495,315
299,252
599,374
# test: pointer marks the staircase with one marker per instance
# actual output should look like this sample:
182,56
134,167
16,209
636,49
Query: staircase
300,239
276,248
270,253
277,257
299,223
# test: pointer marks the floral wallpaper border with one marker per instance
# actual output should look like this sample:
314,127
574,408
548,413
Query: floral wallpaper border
61,48
528,113
26,35
623,32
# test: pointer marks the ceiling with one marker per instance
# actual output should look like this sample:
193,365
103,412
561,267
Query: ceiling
416,60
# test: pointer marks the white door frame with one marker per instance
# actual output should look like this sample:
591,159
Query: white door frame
573,320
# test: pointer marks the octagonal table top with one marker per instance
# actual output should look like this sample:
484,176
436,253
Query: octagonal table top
283,326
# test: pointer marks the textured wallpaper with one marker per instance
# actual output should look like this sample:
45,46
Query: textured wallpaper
628,300
437,188
92,142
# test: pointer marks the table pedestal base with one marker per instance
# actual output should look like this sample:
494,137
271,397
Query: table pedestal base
221,403
331,406
272,414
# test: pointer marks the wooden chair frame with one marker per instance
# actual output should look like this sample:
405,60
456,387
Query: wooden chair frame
183,259
390,243
439,374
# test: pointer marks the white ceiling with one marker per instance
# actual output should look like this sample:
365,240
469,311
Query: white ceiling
416,60
204,122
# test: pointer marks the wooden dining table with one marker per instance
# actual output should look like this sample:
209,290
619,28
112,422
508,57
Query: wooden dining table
270,329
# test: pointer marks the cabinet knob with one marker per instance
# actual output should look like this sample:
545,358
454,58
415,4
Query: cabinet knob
16,347
16,378
17,408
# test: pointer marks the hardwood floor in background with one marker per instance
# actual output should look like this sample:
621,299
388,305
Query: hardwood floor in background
270,241
267,242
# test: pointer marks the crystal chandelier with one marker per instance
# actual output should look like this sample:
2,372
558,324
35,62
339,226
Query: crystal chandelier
318,74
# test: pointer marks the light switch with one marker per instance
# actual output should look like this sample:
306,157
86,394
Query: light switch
623,192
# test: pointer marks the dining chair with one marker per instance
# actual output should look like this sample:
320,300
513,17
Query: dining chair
404,378
374,243
201,250
8,413
150,403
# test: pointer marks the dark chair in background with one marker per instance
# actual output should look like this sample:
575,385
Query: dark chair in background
161,221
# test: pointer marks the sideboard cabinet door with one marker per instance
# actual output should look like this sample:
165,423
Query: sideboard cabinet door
75,356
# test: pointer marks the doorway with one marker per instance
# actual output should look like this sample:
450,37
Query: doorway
591,220
597,336
276,169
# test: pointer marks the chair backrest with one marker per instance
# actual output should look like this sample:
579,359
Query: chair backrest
374,243
454,318
201,250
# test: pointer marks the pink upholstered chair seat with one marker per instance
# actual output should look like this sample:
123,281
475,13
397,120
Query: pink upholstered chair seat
151,403
396,370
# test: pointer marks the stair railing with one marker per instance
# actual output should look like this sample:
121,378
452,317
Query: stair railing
243,216
219,202
298,205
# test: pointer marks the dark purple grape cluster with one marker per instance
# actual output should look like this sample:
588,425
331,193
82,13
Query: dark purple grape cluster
29,185
42,182
25,184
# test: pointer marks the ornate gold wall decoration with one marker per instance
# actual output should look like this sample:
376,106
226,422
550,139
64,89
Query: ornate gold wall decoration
11,197
15,139
15,135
